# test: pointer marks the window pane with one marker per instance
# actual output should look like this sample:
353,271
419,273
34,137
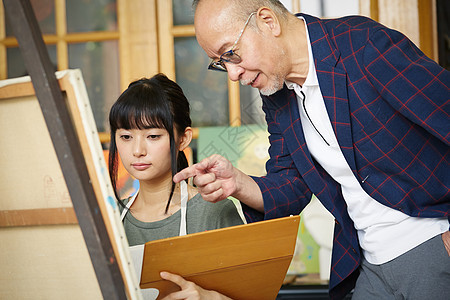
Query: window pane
206,90
99,64
182,12
251,103
44,11
91,15
16,66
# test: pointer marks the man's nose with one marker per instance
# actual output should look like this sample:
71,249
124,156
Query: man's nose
234,71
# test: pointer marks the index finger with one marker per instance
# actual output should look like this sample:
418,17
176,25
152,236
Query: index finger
194,170
185,174
177,279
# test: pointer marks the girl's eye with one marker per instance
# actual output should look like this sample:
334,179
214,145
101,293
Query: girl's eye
125,137
153,136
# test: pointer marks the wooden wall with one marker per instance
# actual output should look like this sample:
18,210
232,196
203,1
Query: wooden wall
415,18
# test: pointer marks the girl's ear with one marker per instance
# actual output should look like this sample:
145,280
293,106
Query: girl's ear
185,139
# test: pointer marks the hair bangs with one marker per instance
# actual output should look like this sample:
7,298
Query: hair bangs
141,109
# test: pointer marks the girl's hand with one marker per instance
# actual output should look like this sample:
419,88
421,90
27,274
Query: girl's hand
189,290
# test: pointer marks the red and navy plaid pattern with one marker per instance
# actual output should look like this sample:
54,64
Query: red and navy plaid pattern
389,107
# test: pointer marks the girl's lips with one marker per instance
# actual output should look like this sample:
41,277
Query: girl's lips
141,166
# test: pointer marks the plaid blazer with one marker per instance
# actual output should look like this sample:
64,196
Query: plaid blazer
389,107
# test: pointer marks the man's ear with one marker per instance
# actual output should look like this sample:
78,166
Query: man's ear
268,18
185,139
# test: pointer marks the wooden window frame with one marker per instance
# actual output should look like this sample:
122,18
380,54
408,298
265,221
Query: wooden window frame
61,39
146,36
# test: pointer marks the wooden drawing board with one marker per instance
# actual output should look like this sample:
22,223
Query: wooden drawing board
43,253
242,262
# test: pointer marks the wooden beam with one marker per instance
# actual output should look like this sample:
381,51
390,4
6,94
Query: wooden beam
374,10
62,50
166,42
3,66
427,28
234,106
138,42
183,31
35,217
67,147
70,38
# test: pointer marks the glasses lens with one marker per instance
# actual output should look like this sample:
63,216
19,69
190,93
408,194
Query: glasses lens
231,57
217,66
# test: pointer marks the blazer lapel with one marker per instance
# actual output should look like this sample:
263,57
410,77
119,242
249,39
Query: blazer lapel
333,85
290,125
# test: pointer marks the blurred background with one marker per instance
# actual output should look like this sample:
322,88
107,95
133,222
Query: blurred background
114,42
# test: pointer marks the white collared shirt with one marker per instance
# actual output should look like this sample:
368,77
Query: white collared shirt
384,233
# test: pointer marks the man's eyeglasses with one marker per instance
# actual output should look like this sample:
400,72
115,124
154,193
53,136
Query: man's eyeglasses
230,56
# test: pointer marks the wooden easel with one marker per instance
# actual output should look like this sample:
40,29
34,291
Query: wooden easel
68,151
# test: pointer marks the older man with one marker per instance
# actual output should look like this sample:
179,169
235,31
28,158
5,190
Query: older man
358,116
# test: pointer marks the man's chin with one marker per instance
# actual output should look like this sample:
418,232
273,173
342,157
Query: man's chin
269,91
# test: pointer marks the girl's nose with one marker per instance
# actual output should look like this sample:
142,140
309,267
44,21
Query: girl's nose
139,148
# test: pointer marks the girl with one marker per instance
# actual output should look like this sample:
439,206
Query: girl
150,128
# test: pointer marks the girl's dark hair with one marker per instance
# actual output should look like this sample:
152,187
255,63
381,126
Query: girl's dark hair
156,102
